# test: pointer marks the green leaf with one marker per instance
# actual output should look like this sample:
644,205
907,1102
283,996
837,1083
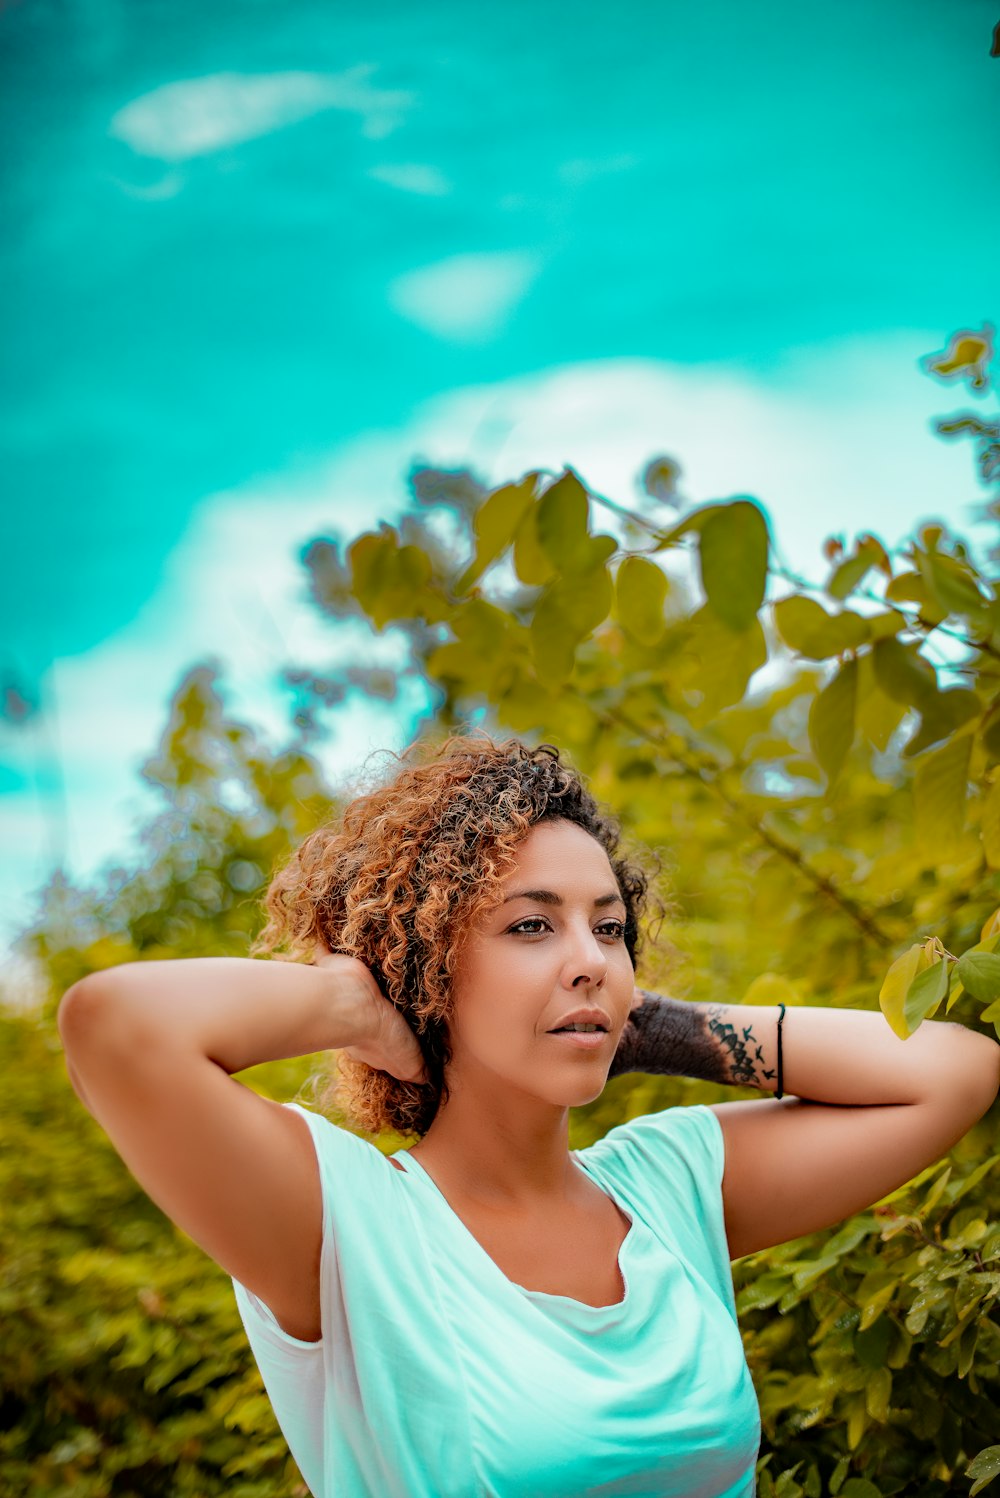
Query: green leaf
568,612
942,715
991,826
878,1394
990,733
889,622
879,717
940,786
903,673
839,1473
495,524
531,563
980,975
925,994
985,1465
691,524
640,593
482,626
808,629
950,583
896,985
733,549
832,720
563,518
909,587
874,1304
847,576
391,581
718,663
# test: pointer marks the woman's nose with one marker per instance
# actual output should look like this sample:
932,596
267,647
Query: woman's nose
588,962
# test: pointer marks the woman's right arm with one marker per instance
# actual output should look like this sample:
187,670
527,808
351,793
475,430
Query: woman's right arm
151,1047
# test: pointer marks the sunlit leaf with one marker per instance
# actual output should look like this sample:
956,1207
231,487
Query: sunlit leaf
879,717
832,719
940,785
909,587
878,1394
690,524
495,524
980,975
531,563
925,994
984,1467
951,584
717,663
733,548
942,715
896,985
991,826
868,553
568,612
640,593
903,673
562,521
807,628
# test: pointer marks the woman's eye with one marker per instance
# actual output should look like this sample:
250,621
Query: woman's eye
534,925
535,921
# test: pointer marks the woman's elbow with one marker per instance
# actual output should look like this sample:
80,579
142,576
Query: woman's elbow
77,1007
975,1075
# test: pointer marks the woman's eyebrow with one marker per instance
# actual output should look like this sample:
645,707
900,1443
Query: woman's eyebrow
549,897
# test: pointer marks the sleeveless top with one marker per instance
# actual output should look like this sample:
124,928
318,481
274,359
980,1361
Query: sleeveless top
436,1376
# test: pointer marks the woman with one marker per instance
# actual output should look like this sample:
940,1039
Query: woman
490,1313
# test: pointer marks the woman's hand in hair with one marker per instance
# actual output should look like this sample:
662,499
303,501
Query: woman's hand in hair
389,1044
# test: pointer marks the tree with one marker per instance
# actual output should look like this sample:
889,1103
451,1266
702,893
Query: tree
833,836
829,832
125,1366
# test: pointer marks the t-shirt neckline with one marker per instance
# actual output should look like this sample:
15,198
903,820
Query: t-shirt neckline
617,1306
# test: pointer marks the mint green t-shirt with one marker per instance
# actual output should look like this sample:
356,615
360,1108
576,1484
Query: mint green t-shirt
438,1377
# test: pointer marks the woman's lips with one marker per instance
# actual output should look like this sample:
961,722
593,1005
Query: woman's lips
587,1040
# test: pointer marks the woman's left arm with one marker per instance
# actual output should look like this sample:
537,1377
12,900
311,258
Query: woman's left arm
865,1111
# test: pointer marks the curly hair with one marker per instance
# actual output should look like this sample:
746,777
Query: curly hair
405,872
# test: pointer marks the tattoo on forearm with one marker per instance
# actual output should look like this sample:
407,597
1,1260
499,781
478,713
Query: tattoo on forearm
746,1059
669,1037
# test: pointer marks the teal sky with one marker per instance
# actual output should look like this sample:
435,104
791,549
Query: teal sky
260,257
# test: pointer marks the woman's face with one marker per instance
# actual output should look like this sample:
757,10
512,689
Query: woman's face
555,945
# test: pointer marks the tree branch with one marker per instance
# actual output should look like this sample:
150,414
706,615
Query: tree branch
709,775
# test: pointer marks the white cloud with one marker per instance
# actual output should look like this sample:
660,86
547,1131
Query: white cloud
427,181
467,297
196,116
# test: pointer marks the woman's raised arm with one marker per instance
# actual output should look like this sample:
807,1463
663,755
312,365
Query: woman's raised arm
149,1046
867,1111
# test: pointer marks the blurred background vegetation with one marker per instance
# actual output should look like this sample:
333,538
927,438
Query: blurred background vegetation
815,762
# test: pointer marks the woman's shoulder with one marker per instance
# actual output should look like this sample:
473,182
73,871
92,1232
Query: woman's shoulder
675,1153
692,1131
343,1157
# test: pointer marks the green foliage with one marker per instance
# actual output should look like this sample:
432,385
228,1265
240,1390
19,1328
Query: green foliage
831,837
231,811
817,828
125,1368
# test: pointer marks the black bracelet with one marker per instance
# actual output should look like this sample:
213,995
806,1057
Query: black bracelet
780,1018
